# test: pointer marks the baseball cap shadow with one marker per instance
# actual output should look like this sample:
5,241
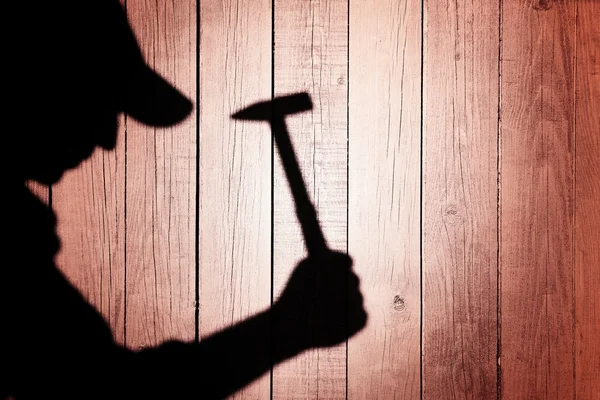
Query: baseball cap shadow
69,88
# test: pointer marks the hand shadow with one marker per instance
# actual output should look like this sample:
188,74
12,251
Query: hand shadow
82,71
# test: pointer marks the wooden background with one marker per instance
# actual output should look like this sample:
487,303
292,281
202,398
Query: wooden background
452,152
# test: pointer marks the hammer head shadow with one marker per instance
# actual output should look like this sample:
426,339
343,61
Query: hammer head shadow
279,107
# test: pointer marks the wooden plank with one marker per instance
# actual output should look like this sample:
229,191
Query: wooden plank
460,245
311,56
234,169
384,195
587,202
537,136
89,203
161,186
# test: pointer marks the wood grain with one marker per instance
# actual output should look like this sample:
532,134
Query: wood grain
234,169
587,202
161,186
89,203
311,55
460,245
515,226
384,195
537,136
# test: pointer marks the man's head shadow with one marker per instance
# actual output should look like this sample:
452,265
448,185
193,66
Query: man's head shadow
89,69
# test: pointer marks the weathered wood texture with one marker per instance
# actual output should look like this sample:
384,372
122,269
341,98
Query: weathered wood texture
587,201
384,195
460,244
161,186
311,55
536,213
504,212
234,169
90,206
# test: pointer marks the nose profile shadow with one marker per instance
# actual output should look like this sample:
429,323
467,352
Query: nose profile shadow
55,344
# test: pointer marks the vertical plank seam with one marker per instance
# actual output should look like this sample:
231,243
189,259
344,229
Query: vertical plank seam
574,218
155,207
125,239
197,205
347,174
125,214
271,341
545,147
421,206
498,212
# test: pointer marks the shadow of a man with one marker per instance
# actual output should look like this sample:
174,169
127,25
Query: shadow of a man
82,71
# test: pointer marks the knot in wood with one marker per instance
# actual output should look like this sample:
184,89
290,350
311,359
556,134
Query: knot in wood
542,5
399,304
451,210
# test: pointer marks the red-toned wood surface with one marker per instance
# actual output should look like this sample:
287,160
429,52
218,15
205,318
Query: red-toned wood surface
234,242
537,134
384,196
160,186
459,206
587,201
452,151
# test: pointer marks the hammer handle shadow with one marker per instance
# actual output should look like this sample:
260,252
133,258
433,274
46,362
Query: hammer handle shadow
307,215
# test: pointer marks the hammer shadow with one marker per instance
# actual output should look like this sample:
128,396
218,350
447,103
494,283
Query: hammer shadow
88,70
